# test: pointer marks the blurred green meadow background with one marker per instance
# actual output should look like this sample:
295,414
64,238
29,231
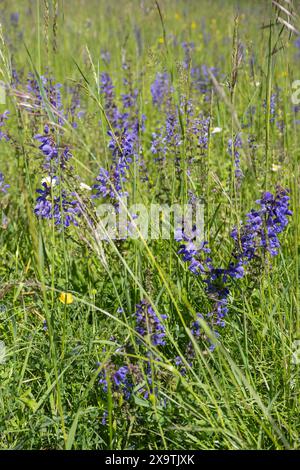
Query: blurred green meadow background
102,346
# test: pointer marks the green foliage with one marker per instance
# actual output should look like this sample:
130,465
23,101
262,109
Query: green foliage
244,395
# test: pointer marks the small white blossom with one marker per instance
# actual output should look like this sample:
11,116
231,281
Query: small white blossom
85,186
216,130
49,181
276,167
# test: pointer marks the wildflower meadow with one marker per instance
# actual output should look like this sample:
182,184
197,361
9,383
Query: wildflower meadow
149,225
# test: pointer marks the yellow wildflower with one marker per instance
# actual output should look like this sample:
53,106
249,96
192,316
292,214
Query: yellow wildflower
66,298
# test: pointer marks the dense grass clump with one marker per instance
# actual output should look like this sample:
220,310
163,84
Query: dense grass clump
129,339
